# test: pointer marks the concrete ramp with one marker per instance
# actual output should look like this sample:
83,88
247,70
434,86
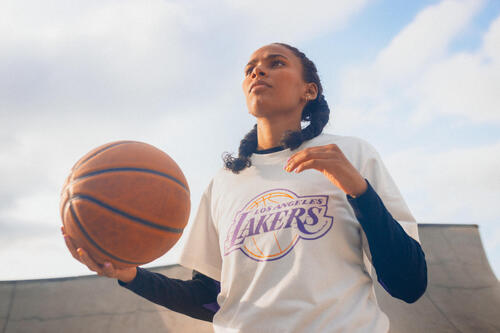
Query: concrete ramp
88,304
463,296
463,293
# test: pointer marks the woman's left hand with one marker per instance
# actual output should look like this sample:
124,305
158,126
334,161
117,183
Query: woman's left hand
330,161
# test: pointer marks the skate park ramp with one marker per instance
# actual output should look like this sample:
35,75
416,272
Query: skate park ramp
463,295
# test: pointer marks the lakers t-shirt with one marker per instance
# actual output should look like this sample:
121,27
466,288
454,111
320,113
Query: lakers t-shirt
287,248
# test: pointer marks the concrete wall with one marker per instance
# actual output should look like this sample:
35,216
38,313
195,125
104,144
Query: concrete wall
463,295
88,304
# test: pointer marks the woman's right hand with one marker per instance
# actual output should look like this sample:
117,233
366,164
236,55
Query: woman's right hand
123,274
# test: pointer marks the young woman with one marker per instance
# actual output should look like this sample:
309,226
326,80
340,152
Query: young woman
285,232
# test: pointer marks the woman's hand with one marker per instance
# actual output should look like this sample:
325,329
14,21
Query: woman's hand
330,161
124,274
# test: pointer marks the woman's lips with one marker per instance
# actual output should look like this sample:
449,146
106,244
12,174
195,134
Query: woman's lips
258,85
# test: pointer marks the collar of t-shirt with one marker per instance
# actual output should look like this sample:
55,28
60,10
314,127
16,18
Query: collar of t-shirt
269,150
280,154
270,156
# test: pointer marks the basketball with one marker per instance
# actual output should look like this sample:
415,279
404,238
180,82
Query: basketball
125,202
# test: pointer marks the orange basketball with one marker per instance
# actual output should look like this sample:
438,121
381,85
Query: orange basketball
125,202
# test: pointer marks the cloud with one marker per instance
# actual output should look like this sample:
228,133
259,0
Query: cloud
423,40
464,84
125,56
460,185
293,21
412,70
92,56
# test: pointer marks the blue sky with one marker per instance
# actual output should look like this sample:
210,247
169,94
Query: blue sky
418,80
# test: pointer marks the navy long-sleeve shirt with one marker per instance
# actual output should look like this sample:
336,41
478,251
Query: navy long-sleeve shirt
398,259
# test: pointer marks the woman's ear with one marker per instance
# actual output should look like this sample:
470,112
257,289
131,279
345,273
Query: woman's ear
311,91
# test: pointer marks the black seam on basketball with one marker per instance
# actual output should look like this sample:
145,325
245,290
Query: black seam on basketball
100,151
82,229
154,172
131,217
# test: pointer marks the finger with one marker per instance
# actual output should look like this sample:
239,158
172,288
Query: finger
319,148
299,159
108,269
310,164
313,152
326,148
91,264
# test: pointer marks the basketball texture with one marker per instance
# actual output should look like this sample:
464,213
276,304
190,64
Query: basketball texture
126,202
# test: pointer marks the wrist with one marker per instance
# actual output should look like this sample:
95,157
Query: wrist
128,275
360,190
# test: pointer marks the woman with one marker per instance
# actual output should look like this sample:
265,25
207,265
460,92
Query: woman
286,225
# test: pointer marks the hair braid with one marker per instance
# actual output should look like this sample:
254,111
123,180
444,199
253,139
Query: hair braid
318,118
247,146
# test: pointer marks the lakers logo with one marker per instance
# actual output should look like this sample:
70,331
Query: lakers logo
272,223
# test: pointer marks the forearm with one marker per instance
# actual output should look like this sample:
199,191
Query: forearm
189,297
397,258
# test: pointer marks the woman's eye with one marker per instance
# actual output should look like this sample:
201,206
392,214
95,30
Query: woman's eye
277,63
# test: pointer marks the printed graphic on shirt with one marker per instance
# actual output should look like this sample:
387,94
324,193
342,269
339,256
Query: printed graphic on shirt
271,224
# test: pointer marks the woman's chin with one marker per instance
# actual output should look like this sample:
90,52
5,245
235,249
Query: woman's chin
259,107
260,112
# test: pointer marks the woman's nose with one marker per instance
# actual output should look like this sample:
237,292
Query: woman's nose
258,71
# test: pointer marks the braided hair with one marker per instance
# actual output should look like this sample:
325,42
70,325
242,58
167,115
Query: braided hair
316,112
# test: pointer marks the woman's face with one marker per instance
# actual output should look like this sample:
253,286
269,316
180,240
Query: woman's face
273,83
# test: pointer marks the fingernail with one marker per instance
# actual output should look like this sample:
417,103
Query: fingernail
107,264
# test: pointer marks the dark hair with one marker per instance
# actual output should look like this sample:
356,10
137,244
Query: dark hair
316,112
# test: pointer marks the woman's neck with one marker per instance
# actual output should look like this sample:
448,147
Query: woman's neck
270,131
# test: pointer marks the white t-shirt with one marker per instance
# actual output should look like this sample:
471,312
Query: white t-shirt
287,248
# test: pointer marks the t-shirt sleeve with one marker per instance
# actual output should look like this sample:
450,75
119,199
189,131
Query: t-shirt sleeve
389,232
371,167
201,251
375,171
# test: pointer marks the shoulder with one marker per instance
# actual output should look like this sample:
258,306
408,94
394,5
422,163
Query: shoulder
348,144
358,151
222,178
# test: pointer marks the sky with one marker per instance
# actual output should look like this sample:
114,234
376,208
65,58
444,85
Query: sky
419,80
